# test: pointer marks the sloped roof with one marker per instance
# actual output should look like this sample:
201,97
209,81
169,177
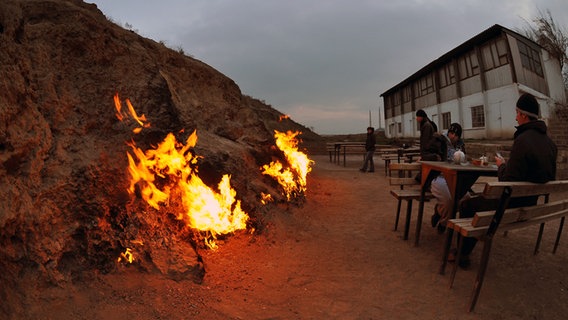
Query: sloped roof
486,35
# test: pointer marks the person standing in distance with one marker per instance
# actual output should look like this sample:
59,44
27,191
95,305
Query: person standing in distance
369,151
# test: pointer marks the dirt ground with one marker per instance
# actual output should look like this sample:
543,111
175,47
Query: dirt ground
336,257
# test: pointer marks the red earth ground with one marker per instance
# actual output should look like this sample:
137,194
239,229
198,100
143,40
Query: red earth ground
335,257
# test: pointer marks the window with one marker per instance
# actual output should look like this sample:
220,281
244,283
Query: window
426,85
399,127
406,94
389,108
391,129
530,58
468,65
477,117
446,120
495,54
396,98
447,75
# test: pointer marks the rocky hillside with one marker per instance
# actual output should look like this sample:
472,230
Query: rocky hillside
64,206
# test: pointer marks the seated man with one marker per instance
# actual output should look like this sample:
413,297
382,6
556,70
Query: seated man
533,159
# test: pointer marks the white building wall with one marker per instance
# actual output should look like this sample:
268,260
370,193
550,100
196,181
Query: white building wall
500,112
553,75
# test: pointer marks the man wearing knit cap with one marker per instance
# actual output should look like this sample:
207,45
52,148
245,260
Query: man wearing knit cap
427,130
532,158
533,155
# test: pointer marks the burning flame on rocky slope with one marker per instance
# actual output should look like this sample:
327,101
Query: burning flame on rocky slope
294,178
169,173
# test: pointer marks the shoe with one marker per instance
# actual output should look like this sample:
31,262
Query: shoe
362,170
371,171
464,262
435,219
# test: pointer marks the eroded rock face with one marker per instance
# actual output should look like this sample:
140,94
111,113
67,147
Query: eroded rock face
64,209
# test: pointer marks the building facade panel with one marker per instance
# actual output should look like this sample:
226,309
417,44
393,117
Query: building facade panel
448,93
498,77
470,85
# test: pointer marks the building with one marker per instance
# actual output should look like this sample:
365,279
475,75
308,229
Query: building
476,84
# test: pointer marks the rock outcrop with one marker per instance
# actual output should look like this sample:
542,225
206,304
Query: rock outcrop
64,208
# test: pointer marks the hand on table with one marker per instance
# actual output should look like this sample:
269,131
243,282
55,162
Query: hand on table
499,160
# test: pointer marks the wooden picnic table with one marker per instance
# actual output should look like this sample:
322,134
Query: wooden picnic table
398,154
460,178
349,147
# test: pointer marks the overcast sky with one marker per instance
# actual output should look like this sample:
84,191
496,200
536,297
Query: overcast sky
323,62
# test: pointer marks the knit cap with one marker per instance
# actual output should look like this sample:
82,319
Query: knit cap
421,113
528,105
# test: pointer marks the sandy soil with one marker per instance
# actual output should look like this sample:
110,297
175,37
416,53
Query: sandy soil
336,257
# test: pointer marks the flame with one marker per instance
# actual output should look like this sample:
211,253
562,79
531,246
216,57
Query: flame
175,166
126,255
283,117
169,173
265,198
121,115
294,178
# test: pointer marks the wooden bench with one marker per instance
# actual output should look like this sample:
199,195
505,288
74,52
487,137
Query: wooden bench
484,225
333,151
403,176
388,158
400,155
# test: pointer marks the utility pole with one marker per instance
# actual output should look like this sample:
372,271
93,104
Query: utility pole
379,107
379,116
370,124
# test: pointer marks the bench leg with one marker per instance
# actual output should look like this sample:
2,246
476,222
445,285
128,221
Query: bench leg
457,261
419,224
481,272
447,245
408,214
397,214
538,238
560,227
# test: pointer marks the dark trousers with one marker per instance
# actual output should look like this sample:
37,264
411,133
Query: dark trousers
368,161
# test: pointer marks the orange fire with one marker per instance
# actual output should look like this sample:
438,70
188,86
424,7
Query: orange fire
265,198
126,255
283,117
174,166
292,179
121,114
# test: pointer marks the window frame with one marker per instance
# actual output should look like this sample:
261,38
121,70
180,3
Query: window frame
477,116
495,54
530,58
468,65
446,120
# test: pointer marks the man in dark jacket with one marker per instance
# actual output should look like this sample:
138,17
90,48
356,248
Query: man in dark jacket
427,131
533,159
369,151
533,155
